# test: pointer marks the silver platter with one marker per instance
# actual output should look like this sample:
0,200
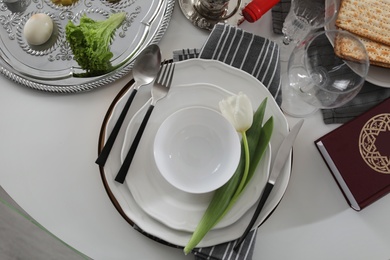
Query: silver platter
51,67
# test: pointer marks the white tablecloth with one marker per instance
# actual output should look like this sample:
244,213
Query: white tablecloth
49,145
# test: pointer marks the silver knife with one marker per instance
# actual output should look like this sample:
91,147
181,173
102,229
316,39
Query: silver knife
280,161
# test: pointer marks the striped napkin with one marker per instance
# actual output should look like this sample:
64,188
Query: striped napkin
253,54
368,97
259,57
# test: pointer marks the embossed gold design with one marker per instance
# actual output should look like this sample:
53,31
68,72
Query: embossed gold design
368,150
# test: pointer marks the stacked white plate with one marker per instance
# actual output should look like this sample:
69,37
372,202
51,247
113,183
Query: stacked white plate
146,198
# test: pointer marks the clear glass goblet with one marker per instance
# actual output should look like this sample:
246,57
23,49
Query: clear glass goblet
304,17
317,77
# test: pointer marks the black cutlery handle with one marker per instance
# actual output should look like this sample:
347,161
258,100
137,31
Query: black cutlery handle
264,196
102,158
121,176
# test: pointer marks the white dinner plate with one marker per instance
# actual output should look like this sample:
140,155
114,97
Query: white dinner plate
171,206
376,75
191,72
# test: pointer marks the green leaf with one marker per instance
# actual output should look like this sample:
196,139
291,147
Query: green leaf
262,144
90,42
253,132
217,206
259,149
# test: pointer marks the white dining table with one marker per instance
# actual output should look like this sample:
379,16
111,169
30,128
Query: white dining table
49,146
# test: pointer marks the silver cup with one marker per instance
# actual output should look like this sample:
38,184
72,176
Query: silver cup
215,9
206,13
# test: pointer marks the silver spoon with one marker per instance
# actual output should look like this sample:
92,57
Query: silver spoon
145,69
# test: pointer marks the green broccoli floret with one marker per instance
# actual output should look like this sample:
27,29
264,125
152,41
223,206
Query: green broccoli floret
90,42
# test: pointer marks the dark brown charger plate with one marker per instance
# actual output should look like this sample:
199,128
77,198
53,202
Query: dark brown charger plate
102,134
110,194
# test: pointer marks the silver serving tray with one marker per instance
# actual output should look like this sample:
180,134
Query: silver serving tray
50,67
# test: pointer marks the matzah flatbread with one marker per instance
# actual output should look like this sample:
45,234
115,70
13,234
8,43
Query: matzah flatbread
346,48
367,18
379,54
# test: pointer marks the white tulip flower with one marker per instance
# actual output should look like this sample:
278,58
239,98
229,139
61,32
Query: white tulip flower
238,111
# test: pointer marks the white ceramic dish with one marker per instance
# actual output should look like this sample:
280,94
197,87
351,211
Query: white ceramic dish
377,75
197,150
192,72
146,184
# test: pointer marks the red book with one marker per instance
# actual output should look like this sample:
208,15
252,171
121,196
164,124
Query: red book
358,155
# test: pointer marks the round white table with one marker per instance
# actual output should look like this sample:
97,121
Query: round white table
49,145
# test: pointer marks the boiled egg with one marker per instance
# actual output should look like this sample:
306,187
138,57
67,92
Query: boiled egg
38,29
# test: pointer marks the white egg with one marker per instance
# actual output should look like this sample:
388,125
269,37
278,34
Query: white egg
38,29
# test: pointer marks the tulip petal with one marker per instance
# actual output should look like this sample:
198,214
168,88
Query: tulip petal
238,111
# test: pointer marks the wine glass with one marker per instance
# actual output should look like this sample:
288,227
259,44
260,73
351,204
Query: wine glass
304,17
318,76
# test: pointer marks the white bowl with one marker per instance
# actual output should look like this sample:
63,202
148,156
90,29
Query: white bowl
197,150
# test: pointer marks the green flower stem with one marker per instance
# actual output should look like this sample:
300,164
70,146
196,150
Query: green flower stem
247,163
244,177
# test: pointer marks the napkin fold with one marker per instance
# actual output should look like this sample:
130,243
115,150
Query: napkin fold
369,96
259,57
225,250
279,13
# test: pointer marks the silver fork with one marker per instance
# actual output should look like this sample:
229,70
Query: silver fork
159,90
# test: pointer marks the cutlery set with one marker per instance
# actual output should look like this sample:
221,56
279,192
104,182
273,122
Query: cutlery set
159,90
147,68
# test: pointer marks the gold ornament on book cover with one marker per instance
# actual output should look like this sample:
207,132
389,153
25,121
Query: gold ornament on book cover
369,135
